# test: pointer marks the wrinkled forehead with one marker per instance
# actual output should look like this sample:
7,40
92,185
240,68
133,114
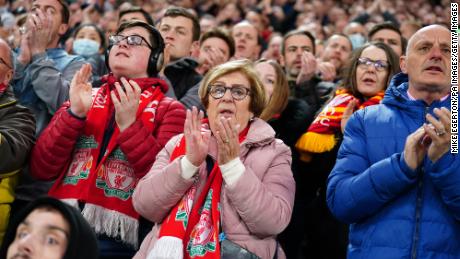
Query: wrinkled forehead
54,4
431,35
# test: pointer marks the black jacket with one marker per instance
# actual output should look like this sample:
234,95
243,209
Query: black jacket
182,75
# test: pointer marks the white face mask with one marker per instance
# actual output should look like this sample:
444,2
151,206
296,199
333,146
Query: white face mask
357,40
85,47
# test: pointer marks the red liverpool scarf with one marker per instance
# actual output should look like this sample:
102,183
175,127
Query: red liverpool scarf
106,187
191,230
3,88
321,135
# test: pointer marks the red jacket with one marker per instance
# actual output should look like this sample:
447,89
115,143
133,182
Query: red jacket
54,147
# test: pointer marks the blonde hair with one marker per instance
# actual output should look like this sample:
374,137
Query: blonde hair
245,67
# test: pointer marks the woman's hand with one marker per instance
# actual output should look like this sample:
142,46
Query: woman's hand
80,92
228,144
196,138
347,113
127,104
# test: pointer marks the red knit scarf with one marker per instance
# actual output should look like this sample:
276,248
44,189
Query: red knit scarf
321,135
106,187
197,224
3,88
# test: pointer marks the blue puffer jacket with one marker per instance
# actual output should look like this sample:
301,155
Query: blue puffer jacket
395,212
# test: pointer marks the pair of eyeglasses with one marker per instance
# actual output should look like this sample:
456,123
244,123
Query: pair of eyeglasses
132,40
218,91
2,61
379,65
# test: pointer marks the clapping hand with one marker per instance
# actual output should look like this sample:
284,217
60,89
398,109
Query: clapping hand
126,103
347,113
80,92
213,58
308,67
327,71
439,133
196,137
431,139
228,143
40,25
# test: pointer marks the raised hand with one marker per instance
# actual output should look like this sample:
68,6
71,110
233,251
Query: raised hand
41,26
25,55
166,57
327,71
347,113
228,144
308,67
196,138
126,103
415,148
439,133
80,92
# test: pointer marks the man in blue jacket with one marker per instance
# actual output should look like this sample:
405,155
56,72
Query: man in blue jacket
395,181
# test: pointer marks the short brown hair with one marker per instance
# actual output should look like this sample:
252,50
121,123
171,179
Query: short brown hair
176,11
246,68
65,13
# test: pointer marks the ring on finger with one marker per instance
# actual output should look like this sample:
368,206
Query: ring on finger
440,132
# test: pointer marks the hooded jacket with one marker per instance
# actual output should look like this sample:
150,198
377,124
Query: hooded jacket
17,130
82,243
395,212
182,75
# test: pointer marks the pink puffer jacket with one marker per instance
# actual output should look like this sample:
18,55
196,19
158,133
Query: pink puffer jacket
254,210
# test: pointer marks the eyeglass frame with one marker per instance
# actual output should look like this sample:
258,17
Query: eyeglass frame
112,42
247,91
366,62
2,61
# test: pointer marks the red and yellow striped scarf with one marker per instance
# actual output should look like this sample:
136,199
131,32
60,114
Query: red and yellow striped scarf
321,135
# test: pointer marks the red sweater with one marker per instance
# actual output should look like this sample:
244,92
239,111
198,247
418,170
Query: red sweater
53,150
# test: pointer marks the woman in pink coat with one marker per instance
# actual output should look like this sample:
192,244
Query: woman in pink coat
225,186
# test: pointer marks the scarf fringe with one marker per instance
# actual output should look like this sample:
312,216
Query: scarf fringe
112,223
167,247
315,142
71,202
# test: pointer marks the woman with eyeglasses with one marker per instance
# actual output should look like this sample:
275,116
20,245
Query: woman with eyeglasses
365,79
98,146
224,188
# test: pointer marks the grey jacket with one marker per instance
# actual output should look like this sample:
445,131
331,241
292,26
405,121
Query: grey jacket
43,86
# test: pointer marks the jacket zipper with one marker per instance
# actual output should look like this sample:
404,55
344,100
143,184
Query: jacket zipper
418,212
418,206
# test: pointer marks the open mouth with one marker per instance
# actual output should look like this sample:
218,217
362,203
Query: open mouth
226,113
241,47
434,69
369,80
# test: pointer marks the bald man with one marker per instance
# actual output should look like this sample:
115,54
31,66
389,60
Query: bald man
17,130
395,181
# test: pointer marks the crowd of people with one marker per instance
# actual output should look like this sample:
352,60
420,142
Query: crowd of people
227,129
